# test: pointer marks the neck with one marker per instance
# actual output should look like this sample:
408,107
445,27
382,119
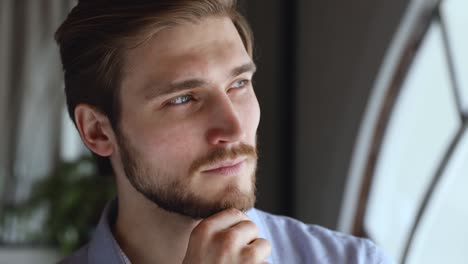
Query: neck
149,234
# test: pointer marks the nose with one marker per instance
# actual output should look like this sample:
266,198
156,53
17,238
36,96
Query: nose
225,125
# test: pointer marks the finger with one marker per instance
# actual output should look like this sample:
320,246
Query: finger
245,232
257,251
226,218
220,221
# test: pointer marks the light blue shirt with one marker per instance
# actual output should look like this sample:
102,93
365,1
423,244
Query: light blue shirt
292,242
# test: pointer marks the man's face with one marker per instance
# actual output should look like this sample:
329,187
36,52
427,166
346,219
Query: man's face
187,133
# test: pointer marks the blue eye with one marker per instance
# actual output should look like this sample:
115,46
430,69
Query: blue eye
181,99
240,84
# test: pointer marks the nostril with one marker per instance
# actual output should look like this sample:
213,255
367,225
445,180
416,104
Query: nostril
225,134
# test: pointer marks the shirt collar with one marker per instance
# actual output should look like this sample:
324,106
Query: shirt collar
103,247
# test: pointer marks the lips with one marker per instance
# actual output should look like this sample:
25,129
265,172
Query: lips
226,167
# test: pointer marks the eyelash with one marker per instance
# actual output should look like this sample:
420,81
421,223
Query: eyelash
188,97
185,98
245,83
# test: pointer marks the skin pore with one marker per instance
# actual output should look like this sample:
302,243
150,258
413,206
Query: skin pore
184,149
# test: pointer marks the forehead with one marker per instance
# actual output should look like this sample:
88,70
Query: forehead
200,48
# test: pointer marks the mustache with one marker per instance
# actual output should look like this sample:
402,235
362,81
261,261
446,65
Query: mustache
222,154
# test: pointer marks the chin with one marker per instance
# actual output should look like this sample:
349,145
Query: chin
233,197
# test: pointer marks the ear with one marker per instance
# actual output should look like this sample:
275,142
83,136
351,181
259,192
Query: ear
95,130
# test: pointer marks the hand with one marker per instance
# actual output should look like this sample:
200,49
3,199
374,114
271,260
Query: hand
226,237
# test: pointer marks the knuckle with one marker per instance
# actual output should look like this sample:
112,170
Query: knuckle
201,230
252,225
265,245
248,255
257,251
227,239
230,237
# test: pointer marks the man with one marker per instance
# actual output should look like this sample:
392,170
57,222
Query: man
161,92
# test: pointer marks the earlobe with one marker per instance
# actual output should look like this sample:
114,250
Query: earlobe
95,130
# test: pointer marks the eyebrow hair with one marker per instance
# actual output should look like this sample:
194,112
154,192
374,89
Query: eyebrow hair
248,67
196,82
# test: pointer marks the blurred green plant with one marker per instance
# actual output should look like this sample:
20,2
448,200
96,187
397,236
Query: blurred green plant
71,200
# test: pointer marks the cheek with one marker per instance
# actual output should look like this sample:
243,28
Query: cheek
173,142
164,143
251,115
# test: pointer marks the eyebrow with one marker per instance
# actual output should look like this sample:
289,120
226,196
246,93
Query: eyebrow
197,82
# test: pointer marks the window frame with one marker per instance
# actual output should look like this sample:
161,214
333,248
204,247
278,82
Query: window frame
389,82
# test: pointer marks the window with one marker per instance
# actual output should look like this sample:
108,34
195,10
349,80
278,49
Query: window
408,158
413,147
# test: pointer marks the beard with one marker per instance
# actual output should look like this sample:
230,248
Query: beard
177,195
